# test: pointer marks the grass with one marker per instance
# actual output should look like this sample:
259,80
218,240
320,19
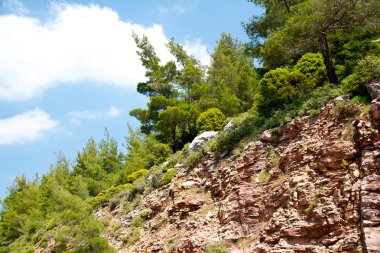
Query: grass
217,248
263,176
131,237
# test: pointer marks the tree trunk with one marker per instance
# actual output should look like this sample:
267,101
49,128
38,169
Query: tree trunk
325,50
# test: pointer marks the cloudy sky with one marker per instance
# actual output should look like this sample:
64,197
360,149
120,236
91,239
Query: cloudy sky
68,69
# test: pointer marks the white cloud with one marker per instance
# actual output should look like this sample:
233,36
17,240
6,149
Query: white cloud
77,117
113,112
78,43
199,50
15,6
25,127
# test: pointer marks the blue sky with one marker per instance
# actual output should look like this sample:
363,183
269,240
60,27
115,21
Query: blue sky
68,69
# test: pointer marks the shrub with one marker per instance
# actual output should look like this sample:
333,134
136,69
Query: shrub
132,236
168,176
312,205
138,221
277,88
172,246
210,120
136,175
264,176
315,113
107,195
361,99
366,71
320,96
344,109
344,164
311,65
217,248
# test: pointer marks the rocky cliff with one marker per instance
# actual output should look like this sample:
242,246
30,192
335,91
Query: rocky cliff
310,186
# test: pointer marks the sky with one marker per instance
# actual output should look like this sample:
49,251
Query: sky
69,69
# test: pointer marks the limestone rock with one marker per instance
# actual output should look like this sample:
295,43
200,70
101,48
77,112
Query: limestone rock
200,140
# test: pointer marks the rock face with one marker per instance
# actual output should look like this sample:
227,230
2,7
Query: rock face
313,186
201,139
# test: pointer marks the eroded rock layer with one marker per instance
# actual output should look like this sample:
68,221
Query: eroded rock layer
314,187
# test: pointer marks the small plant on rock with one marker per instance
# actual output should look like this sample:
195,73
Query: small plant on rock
217,248
344,164
344,110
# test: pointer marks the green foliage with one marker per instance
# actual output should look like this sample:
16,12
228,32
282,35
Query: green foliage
298,27
279,87
344,164
144,151
361,100
312,205
136,175
217,248
349,48
344,110
211,120
320,96
138,221
263,176
315,113
108,194
251,125
132,236
231,76
311,65
172,246
367,70
168,176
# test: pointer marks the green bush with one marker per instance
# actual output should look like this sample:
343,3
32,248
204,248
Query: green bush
108,194
361,99
132,236
315,113
366,71
217,248
279,87
138,221
344,110
263,176
136,175
311,65
211,120
168,176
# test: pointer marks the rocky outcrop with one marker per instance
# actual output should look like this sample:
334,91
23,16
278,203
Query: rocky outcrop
374,91
200,140
310,186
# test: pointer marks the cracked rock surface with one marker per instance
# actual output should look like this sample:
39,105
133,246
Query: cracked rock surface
315,187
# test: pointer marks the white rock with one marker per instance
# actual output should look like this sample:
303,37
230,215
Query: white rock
200,140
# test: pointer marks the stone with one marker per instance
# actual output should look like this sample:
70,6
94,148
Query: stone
229,126
200,140
375,112
374,90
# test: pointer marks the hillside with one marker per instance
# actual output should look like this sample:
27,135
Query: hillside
292,165
309,186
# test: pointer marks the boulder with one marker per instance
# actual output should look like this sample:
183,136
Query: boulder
374,90
229,126
375,112
200,140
